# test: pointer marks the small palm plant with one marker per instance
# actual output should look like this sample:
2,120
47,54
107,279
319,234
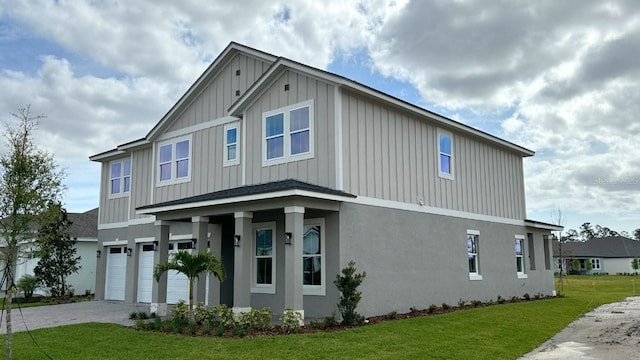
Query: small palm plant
192,266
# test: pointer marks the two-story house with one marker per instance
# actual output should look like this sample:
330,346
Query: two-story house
289,172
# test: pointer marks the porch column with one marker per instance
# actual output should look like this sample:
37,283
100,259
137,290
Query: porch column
215,247
242,262
199,232
294,224
161,255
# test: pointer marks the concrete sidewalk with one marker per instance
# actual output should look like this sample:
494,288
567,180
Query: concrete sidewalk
611,331
74,313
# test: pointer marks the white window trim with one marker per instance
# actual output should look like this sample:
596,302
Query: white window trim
287,157
263,288
236,161
174,167
521,274
476,275
122,193
451,164
593,267
317,290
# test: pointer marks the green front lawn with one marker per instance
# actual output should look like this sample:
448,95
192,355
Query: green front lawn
495,332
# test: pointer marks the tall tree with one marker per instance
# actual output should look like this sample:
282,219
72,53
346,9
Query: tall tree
586,232
636,234
192,266
56,250
29,179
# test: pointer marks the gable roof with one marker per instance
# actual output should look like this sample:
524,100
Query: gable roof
279,65
282,64
289,187
84,225
606,247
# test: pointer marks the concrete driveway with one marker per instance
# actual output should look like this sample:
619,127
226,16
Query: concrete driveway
75,313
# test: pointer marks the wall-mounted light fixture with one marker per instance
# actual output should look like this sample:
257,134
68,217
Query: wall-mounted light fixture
193,243
236,240
98,253
287,238
155,245
129,251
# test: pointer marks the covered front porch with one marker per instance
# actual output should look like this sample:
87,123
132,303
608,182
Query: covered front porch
279,244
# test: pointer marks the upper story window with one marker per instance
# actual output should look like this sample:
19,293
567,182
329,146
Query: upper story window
174,160
472,254
445,154
288,134
120,177
519,242
231,145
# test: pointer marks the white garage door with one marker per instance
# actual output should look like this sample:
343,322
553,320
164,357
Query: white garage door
116,273
145,273
177,283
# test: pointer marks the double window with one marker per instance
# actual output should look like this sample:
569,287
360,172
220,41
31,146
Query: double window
445,154
595,264
472,254
174,160
120,177
288,134
231,145
519,248
264,258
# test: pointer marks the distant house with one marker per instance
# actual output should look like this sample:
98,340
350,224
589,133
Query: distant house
84,228
288,172
612,255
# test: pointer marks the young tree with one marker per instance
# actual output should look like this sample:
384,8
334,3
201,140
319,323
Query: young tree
635,265
57,250
29,179
191,266
347,284
558,218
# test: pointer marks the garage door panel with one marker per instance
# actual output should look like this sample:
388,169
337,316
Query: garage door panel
145,273
116,273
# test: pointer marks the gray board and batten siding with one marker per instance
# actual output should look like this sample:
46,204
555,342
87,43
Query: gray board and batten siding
391,154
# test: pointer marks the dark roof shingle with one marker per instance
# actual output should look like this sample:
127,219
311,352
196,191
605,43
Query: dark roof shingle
606,247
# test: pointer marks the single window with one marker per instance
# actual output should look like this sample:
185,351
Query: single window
519,256
120,177
472,253
275,136
299,130
264,252
165,162
312,256
531,248
595,264
547,252
231,145
445,154
288,134
174,161
182,159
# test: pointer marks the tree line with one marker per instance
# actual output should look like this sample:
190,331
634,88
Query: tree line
587,232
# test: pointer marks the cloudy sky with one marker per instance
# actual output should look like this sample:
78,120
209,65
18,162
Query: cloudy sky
558,77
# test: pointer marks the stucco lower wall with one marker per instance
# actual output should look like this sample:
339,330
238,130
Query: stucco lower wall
414,259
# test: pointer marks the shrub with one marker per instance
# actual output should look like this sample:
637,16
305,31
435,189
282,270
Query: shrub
432,308
347,284
28,284
255,320
526,296
138,315
180,311
461,303
476,303
239,330
445,306
316,324
330,320
500,300
290,320
223,315
202,314
392,315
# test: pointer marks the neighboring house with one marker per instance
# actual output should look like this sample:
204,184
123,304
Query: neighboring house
289,172
611,255
84,228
